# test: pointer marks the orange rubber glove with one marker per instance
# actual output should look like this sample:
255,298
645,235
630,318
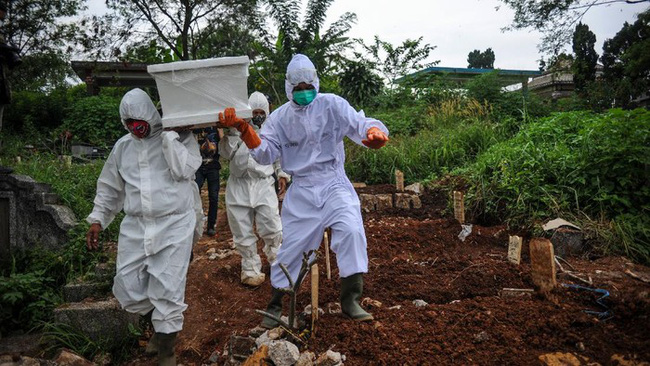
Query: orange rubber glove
376,138
229,119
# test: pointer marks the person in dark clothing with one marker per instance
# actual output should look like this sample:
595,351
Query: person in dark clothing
208,139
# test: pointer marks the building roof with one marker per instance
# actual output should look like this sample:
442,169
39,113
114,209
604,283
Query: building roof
462,75
102,74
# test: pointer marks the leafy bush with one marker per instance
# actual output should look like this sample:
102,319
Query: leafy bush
406,120
35,111
26,299
428,154
30,292
74,185
95,120
576,162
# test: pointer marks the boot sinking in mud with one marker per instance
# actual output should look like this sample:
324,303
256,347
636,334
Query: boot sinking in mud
351,290
166,354
274,308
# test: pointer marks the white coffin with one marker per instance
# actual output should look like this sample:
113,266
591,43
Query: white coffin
192,93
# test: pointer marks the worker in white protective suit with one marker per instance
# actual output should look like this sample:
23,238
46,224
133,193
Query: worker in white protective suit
251,198
307,134
150,175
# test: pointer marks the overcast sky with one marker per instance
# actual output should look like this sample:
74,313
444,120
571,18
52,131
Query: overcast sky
457,27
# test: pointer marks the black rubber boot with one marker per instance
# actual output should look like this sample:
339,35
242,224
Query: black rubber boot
351,289
166,343
152,345
274,308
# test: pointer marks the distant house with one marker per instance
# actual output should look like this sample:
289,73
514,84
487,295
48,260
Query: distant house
557,82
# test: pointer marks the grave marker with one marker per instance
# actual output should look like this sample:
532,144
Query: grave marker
514,249
399,180
459,206
542,260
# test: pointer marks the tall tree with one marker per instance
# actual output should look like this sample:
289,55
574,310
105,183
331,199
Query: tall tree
394,62
555,19
481,60
626,60
584,64
359,83
182,26
300,34
40,32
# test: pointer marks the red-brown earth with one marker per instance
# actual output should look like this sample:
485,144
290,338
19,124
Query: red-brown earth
416,254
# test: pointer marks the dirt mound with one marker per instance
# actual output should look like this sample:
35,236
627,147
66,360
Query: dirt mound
416,255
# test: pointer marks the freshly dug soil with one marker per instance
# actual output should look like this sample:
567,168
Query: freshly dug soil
416,254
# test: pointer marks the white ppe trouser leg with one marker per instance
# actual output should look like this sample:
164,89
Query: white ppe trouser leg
268,224
303,222
154,278
240,220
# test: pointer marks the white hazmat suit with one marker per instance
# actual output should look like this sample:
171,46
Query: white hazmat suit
309,141
251,199
152,180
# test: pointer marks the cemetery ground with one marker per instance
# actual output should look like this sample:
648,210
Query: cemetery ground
415,254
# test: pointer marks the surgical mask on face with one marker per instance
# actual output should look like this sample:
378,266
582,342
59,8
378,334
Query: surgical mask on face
140,129
304,97
258,120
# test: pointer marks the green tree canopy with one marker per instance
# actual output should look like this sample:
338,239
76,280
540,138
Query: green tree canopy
584,65
40,31
394,62
300,34
481,60
182,26
626,60
555,19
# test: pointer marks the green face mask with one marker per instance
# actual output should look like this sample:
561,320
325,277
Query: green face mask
304,97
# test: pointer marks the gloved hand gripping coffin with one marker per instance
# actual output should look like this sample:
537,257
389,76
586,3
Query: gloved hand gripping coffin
192,93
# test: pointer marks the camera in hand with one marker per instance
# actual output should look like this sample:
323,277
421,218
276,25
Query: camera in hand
10,55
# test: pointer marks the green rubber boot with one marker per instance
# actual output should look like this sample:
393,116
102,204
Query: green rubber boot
152,345
166,343
275,308
351,289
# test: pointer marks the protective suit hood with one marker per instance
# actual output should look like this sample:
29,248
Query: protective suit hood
300,69
257,100
136,104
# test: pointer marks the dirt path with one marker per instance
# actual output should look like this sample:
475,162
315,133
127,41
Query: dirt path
417,255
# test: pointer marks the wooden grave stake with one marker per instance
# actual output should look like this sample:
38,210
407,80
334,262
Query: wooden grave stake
314,297
326,242
514,249
459,206
542,260
399,180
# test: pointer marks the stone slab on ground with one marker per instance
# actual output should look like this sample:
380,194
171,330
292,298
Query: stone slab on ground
105,271
542,260
407,201
240,348
567,241
67,357
101,321
368,202
416,188
384,201
25,345
76,292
